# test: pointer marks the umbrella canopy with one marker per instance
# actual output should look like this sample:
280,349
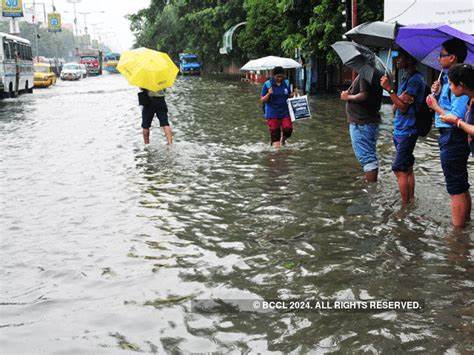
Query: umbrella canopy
374,34
268,63
361,59
148,69
424,42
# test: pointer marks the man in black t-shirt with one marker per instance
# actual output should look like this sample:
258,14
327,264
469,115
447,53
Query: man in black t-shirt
363,101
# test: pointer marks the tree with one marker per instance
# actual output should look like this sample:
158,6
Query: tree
274,27
266,28
187,25
50,45
325,25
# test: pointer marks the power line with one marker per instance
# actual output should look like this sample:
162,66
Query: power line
400,14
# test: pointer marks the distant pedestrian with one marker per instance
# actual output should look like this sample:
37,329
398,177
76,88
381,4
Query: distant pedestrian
453,144
461,79
275,93
155,104
363,102
408,99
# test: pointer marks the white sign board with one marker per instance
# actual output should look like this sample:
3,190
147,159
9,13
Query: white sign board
299,108
456,13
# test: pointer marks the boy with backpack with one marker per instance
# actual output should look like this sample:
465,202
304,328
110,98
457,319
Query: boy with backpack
407,104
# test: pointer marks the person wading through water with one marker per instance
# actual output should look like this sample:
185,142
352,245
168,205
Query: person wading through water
154,104
363,102
275,93
453,141
406,102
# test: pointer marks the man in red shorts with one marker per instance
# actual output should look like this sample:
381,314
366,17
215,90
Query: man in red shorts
275,93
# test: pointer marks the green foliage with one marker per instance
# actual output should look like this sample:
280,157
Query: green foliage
274,27
266,28
50,45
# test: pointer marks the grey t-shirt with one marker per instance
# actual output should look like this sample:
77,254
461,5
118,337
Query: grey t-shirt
366,111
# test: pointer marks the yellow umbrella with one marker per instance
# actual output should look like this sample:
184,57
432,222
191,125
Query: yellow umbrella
148,69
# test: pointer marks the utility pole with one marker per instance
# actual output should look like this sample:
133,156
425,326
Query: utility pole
354,13
14,26
36,29
354,24
55,35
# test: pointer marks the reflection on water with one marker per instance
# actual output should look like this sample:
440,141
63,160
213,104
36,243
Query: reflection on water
104,243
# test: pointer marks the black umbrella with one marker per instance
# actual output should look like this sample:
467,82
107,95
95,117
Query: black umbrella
374,34
361,59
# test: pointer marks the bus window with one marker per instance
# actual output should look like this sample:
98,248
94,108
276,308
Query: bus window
12,49
6,50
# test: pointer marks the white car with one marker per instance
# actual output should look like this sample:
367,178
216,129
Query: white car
71,71
83,70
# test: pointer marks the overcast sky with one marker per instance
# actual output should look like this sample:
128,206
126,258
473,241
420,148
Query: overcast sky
112,21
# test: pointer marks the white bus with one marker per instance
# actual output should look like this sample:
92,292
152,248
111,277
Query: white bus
16,66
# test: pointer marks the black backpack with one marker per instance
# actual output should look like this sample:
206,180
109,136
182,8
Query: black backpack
423,114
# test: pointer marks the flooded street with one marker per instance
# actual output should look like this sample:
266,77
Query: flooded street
103,243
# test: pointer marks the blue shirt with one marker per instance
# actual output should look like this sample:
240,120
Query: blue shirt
405,123
276,106
451,104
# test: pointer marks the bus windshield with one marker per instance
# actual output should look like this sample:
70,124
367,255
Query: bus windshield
190,60
89,58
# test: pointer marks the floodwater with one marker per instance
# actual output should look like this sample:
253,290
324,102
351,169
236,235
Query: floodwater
104,243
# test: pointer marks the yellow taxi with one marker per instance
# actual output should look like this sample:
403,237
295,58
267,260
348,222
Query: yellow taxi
44,75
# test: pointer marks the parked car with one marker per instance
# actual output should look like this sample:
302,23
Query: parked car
83,70
71,71
44,75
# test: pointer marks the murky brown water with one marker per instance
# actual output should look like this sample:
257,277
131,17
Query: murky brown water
104,243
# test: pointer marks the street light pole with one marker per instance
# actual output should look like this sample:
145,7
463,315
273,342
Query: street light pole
74,2
85,14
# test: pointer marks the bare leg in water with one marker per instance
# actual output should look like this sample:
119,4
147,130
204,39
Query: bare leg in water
372,176
166,130
461,209
168,134
406,185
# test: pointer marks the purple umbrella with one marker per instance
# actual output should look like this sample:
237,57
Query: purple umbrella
424,42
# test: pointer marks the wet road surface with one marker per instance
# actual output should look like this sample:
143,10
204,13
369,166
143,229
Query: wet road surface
104,243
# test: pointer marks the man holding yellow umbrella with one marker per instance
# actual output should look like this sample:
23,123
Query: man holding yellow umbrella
153,72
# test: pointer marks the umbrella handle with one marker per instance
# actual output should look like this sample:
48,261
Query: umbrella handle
350,87
439,79
384,66
388,57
